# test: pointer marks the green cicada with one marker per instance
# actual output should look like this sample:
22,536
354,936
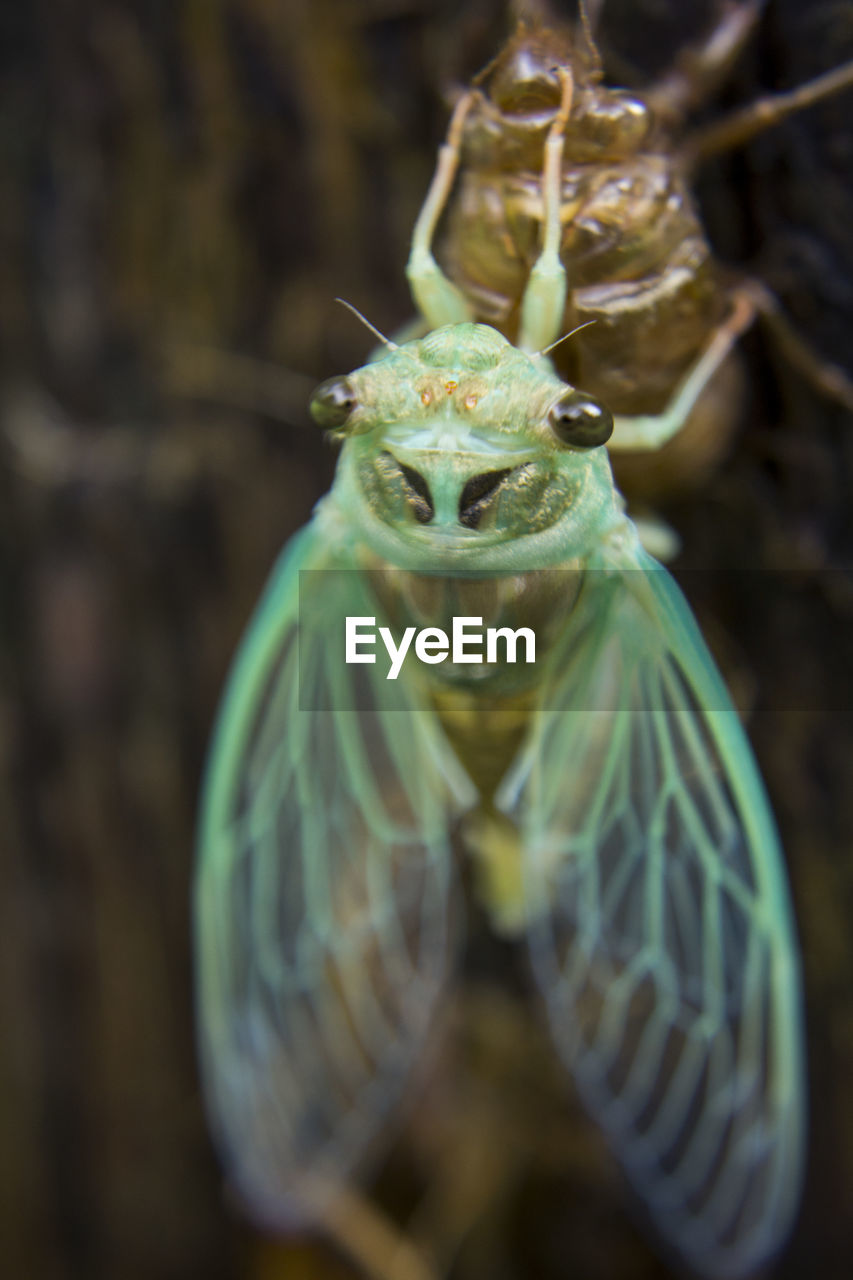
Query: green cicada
608,795
604,792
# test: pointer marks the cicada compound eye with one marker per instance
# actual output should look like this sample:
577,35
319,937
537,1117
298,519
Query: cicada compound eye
333,403
578,420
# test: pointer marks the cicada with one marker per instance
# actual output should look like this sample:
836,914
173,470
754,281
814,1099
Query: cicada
604,796
540,146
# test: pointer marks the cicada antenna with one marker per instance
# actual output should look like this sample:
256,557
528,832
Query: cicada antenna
531,13
392,346
590,15
590,12
547,350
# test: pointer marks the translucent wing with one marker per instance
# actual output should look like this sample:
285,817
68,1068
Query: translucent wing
661,930
322,922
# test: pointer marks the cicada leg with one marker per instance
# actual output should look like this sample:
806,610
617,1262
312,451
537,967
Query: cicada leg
750,300
543,304
738,128
362,1232
828,379
590,12
438,299
372,1239
700,69
652,431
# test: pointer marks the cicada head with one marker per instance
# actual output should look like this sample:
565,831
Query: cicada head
522,90
460,447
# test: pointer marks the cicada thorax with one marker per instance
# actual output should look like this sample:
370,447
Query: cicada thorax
483,707
637,259
539,600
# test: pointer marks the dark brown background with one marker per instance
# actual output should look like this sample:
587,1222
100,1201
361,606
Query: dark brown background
188,178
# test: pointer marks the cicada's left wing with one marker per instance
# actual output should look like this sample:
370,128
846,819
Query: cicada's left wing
323,905
660,925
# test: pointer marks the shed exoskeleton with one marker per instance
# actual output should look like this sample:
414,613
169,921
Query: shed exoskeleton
543,160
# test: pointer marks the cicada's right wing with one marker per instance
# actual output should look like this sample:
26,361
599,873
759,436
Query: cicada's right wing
323,891
659,920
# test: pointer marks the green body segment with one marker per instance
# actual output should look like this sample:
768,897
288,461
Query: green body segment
617,818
